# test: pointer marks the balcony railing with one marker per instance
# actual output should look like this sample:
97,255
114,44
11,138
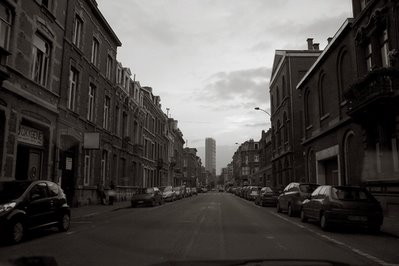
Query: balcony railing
377,88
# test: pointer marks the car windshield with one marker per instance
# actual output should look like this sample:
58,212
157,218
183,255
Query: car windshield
167,189
351,194
308,188
267,190
12,190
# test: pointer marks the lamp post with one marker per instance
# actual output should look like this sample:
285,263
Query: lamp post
259,109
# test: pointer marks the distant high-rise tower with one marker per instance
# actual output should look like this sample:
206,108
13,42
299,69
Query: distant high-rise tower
210,155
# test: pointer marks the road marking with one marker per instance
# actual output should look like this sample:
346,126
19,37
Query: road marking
337,242
81,222
70,233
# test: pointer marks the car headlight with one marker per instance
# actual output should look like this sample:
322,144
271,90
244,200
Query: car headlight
7,207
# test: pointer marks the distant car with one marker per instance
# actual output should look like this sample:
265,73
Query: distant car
179,192
344,205
266,197
293,195
252,193
168,194
204,190
31,204
151,196
188,192
194,191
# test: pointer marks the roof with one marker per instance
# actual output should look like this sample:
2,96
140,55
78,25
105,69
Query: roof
347,23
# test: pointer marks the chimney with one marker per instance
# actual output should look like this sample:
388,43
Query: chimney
316,46
310,43
329,39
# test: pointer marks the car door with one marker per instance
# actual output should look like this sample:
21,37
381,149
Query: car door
310,206
317,204
38,209
283,197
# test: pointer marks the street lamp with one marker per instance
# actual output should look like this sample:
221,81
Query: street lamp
257,108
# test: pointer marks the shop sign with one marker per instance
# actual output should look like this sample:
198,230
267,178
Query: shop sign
91,140
30,135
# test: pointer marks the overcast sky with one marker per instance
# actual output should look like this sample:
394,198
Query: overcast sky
210,60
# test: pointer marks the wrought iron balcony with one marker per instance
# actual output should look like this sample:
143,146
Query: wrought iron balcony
376,90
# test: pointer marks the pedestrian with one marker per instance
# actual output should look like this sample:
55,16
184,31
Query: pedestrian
101,193
111,194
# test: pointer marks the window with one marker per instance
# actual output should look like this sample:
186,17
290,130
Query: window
41,60
73,84
369,53
109,67
118,75
91,102
53,189
116,120
107,102
94,51
86,170
256,158
39,191
104,160
124,125
5,26
308,118
384,49
77,31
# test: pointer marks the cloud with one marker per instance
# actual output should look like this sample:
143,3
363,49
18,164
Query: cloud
237,89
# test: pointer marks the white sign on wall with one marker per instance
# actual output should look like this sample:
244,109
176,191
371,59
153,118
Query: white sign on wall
30,135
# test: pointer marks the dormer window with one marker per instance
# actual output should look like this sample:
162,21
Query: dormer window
385,49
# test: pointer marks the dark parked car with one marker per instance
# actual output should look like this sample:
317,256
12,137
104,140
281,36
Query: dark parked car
194,191
179,192
147,196
266,197
168,194
331,205
252,193
26,205
293,195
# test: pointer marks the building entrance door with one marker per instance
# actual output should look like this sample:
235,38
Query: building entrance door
29,163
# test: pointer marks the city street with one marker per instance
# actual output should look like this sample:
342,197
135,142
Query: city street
211,226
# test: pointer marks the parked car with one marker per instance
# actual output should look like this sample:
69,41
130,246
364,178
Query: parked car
266,197
168,194
293,195
253,192
147,196
31,204
188,192
204,190
179,192
332,205
194,191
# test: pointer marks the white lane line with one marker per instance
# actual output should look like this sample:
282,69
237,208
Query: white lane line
90,214
355,250
70,232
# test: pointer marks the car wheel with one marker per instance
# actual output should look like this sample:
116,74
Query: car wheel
323,222
64,223
17,232
290,211
304,219
278,207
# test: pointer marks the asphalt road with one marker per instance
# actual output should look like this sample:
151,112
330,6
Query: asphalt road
212,226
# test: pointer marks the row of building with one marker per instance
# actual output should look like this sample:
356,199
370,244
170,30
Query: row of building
334,113
71,113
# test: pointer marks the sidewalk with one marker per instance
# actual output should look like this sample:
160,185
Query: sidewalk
93,210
